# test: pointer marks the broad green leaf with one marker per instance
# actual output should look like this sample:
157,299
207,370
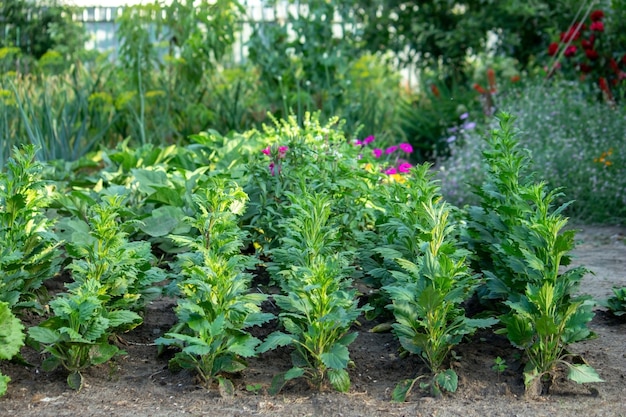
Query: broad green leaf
50,363
274,340
339,379
582,373
519,331
447,380
102,352
278,382
402,390
4,381
244,346
43,335
75,380
226,387
11,333
162,221
337,357
120,317
293,373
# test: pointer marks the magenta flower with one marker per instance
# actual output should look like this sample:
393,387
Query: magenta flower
368,140
404,167
377,153
391,149
406,147
359,142
271,167
282,151
266,151
391,171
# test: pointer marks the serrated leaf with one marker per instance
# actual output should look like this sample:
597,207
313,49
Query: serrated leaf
337,357
339,379
275,340
244,346
4,382
447,380
582,373
43,335
12,333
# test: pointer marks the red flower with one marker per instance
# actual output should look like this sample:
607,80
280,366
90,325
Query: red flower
588,43
435,90
614,66
491,78
596,15
572,34
605,88
592,54
597,26
554,47
478,88
585,68
570,51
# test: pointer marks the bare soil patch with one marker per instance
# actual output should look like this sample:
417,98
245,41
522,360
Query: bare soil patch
140,384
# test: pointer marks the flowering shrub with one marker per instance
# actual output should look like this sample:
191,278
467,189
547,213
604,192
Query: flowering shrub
392,160
590,51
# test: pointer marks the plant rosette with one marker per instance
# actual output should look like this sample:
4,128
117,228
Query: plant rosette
588,50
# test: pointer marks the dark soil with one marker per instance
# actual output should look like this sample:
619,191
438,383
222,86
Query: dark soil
140,384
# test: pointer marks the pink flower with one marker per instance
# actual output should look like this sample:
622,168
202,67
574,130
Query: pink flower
377,153
266,151
271,167
391,171
391,149
282,151
406,147
358,142
368,140
404,167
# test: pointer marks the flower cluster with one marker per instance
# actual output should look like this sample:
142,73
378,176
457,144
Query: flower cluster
604,158
277,154
392,159
588,49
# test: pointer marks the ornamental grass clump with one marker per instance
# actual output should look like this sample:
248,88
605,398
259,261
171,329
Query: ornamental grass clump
317,302
521,246
215,308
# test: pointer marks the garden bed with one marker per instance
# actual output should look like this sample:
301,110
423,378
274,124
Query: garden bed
140,384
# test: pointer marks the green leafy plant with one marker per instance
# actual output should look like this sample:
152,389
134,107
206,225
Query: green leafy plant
499,366
77,335
101,251
216,307
428,291
521,248
318,305
29,252
11,339
617,302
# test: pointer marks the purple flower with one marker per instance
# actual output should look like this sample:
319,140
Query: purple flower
406,147
464,116
404,167
271,167
469,125
391,171
451,139
377,153
368,140
391,149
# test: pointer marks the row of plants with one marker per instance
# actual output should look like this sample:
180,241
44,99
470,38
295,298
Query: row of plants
318,212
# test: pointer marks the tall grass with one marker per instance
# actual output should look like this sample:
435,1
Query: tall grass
575,143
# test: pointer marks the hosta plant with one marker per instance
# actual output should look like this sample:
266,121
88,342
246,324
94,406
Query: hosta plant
29,252
318,305
216,307
77,335
11,339
521,247
428,292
